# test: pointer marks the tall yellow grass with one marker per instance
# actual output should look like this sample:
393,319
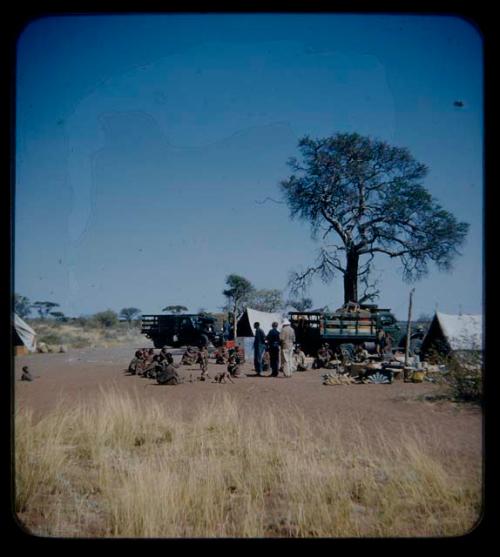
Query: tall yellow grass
122,468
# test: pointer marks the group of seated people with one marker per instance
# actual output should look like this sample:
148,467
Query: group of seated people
327,358
232,357
155,366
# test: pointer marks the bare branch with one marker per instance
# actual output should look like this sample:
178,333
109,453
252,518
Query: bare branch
270,199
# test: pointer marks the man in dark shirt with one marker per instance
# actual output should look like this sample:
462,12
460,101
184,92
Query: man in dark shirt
259,346
273,341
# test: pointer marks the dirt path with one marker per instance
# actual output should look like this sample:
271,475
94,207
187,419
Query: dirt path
80,374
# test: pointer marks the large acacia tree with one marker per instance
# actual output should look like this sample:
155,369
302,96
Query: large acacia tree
370,197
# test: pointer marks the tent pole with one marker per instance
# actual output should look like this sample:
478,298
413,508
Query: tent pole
408,328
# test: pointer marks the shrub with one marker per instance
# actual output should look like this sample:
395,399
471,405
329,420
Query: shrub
51,338
108,318
464,379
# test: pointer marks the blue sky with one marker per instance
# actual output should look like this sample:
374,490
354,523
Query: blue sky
144,145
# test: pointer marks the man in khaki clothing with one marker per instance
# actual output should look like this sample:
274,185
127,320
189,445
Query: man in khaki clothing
287,340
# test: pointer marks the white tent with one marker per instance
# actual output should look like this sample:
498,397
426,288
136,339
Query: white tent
245,326
454,333
24,334
463,332
251,316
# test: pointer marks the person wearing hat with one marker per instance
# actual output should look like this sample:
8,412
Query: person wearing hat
287,340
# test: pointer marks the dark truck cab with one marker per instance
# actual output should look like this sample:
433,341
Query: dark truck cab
350,324
179,330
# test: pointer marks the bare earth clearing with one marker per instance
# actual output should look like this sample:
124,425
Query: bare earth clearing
81,373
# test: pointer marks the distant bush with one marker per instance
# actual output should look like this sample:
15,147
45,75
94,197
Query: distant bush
80,342
51,338
108,318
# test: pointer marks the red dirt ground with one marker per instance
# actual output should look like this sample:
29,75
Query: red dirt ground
80,374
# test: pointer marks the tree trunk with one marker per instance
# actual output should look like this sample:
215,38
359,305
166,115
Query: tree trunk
351,277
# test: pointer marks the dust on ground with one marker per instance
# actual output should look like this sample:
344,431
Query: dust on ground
80,374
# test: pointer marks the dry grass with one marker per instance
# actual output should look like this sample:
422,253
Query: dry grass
80,336
121,468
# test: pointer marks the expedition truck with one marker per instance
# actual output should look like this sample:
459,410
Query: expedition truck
350,324
179,329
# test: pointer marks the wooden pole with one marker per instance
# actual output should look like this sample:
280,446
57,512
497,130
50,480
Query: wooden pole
408,328
235,325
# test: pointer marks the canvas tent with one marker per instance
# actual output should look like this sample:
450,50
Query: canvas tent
245,326
251,316
23,335
457,334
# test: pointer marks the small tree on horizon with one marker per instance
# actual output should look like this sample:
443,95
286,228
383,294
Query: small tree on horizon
44,308
175,309
59,316
129,314
369,195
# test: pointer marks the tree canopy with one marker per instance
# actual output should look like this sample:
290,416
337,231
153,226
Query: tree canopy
44,308
108,318
175,308
238,292
22,305
370,196
266,300
300,304
129,314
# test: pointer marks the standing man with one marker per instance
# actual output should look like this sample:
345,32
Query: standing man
273,341
287,340
380,342
259,346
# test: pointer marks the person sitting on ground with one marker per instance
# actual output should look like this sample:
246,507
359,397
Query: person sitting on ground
151,369
164,351
149,356
26,376
360,354
322,358
238,354
299,358
232,366
168,375
136,362
189,357
221,356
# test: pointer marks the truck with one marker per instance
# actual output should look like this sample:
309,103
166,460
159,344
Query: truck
180,329
351,324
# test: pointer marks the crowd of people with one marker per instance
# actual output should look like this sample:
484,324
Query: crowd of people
146,363
160,366
275,353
